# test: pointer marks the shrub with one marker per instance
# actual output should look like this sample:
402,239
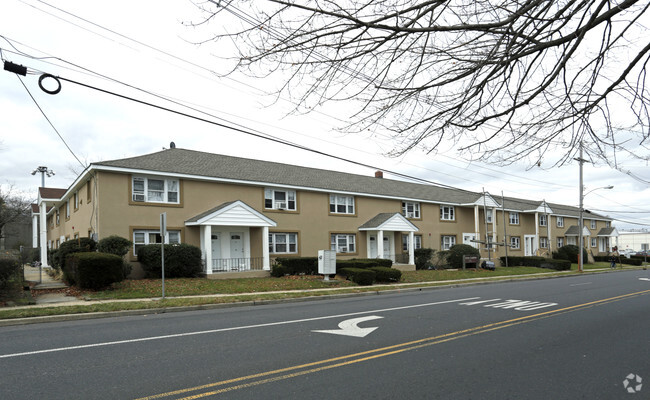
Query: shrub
181,260
278,271
114,245
456,253
299,265
383,274
360,276
71,246
93,270
423,258
559,265
519,261
364,263
569,252
9,267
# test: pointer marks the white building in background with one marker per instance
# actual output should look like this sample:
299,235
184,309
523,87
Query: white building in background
633,241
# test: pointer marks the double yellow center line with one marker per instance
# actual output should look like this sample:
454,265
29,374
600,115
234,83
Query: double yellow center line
229,385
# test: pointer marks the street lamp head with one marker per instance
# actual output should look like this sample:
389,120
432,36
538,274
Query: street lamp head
609,187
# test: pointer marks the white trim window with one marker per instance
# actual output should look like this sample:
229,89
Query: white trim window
594,242
410,209
543,219
573,240
543,242
608,224
280,199
340,204
560,242
67,209
447,213
488,214
155,190
513,218
593,226
515,242
143,237
283,243
446,241
559,222
417,242
343,243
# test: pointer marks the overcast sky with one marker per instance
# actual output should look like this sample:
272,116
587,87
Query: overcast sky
152,47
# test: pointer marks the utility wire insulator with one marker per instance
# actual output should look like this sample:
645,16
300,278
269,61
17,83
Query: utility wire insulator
15,68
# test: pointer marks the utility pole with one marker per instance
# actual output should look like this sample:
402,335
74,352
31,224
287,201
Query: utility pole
580,220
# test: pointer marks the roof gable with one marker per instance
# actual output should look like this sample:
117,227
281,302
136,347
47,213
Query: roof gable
389,222
234,213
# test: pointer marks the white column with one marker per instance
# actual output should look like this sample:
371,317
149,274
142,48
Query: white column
266,260
206,246
494,228
380,244
476,225
43,218
537,231
35,230
411,248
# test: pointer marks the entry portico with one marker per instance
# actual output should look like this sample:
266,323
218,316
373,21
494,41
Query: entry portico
379,244
230,234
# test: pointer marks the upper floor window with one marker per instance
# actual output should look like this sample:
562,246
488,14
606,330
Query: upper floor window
410,209
67,209
343,243
543,219
447,213
143,237
608,224
593,224
76,200
514,218
560,222
280,199
488,215
154,190
340,204
283,243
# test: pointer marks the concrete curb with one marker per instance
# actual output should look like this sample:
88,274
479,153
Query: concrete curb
402,288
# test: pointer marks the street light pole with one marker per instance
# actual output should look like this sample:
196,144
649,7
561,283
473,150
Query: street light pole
44,171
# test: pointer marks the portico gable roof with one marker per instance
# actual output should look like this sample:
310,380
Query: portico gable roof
233,213
389,222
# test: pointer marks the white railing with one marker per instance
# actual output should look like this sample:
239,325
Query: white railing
237,264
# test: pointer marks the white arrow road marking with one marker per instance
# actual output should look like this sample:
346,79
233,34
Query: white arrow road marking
644,279
349,327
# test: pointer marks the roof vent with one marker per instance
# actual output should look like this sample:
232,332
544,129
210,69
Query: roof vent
379,174
172,145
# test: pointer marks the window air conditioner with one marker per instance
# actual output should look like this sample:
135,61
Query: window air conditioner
138,196
281,205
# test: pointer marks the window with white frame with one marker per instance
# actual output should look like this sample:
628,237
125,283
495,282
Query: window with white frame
76,200
543,242
417,242
143,237
280,199
514,218
572,240
515,242
67,209
488,215
283,243
608,224
340,204
593,224
446,241
155,190
447,213
559,222
594,242
543,219
410,209
343,242
58,218
560,242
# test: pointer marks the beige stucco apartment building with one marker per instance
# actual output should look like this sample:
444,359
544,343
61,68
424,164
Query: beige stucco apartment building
242,213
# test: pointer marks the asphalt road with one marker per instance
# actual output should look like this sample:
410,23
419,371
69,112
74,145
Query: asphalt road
569,338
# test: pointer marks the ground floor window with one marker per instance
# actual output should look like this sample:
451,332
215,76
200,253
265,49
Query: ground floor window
543,243
446,241
343,243
283,243
572,240
417,242
515,242
560,242
594,242
143,237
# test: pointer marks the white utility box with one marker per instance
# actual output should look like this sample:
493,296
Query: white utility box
326,263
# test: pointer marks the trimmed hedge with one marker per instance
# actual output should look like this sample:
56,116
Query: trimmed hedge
364,263
423,258
519,261
569,252
93,270
114,245
360,276
558,265
383,274
80,245
297,265
9,266
181,260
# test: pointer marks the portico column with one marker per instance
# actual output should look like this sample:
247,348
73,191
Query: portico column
206,246
380,244
266,261
477,231
43,217
536,232
411,248
35,230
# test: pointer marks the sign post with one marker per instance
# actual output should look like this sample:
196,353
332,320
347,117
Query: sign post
163,234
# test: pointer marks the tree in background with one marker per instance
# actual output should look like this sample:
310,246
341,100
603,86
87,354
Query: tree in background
13,208
496,80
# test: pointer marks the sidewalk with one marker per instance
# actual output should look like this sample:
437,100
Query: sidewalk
48,286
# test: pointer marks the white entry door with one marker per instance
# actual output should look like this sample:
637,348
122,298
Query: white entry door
467,239
216,253
373,247
530,245
237,250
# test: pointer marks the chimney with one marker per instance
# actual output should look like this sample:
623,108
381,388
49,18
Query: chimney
379,174
172,145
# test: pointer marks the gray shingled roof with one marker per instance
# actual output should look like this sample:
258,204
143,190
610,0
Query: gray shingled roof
210,211
377,220
196,163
